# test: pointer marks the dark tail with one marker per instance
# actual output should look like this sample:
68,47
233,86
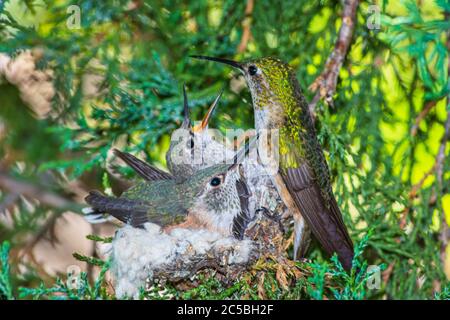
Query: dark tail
131,212
146,171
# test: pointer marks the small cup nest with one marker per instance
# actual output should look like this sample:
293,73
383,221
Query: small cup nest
143,257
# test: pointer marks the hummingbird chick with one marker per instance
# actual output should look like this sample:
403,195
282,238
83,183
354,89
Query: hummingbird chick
193,147
302,177
214,198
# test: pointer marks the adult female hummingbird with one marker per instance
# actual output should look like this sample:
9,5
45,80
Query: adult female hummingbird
303,179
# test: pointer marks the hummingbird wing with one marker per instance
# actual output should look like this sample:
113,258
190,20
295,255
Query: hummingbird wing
131,212
322,215
145,170
134,211
241,221
306,175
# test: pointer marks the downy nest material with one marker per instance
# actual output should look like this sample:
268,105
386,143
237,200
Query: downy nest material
141,257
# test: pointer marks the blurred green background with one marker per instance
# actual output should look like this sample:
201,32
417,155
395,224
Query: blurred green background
69,92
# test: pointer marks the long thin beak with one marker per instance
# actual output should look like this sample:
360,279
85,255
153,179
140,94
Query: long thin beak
187,119
204,124
232,63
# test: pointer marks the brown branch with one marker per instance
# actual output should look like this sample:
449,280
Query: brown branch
37,192
9,202
421,116
325,83
445,230
445,236
45,197
436,169
48,225
441,153
246,26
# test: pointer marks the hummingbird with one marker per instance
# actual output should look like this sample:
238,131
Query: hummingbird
302,178
193,147
213,198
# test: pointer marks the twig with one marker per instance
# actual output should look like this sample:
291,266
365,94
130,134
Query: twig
47,197
441,153
44,196
421,116
325,83
436,169
9,202
48,225
416,187
439,174
246,26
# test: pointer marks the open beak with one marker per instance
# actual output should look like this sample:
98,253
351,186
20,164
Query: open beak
232,63
187,119
205,121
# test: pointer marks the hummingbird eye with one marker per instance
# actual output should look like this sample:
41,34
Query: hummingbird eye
215,181
252,70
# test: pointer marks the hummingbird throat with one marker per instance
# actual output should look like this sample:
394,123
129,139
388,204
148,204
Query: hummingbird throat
268,110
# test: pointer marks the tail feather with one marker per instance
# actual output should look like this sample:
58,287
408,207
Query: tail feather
146,171
94,217
131,212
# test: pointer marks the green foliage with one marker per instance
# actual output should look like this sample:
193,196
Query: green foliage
413,35
75,287
5,277
118,81
444,294
349,286
96,238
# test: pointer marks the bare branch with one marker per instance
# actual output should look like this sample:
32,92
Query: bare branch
9,202
36,192
439,174
325,83
445,230
246,25
421,116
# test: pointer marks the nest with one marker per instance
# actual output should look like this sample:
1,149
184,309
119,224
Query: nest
143,257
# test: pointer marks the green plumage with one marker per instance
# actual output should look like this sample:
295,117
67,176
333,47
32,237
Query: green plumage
164,201
280,106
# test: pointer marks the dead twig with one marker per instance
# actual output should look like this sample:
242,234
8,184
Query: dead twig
421,116
37,192
445,234
9,202
325,83
439,175
436,169
46,197
246,26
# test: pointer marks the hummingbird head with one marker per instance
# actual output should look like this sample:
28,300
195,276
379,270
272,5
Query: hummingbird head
216,197
267,78
188,149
